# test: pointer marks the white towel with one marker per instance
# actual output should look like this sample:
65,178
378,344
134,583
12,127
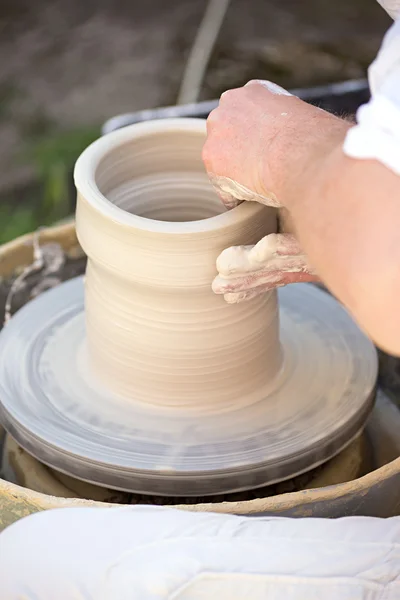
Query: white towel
149,553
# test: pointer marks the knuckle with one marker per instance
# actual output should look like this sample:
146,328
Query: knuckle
213,116
229,96
212,120
253,82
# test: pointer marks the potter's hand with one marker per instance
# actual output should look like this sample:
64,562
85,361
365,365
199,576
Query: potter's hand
339,181
253,139
247,271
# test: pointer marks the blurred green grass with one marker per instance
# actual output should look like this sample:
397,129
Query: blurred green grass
52,155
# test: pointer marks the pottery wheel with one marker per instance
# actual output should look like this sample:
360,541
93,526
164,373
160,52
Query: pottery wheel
55,409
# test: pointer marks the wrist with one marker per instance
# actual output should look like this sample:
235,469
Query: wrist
303,155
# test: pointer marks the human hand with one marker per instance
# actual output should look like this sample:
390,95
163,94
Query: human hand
255,152
257,140
247,271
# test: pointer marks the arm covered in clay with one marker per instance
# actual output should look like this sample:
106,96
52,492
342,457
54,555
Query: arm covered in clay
339,182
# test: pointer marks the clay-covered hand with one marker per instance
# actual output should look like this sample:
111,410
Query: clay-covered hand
253,139
247,271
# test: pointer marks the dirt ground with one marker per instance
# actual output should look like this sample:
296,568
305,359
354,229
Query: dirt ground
76,63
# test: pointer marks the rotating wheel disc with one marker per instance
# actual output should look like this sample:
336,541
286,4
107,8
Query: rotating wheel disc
56,411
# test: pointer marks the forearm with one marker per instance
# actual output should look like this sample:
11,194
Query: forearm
337,205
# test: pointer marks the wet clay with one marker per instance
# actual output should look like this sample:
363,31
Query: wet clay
233,193
376,494
152,228
140,378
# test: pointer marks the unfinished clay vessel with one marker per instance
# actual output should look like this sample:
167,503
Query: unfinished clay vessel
141,379
377,494
152,228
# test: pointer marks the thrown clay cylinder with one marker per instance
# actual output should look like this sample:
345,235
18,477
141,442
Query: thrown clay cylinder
152,228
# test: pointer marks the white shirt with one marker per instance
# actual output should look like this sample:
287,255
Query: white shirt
377,133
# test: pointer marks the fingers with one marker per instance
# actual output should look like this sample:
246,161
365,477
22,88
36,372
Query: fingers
247,271
235,260
244,259
236,297
275,245
276,274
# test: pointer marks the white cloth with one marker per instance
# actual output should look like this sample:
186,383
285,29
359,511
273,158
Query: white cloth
392,7
377,133
149,553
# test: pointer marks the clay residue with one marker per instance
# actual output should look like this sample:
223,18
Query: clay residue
246,272
233,193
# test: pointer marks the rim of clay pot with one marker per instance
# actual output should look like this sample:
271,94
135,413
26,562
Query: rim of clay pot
90,159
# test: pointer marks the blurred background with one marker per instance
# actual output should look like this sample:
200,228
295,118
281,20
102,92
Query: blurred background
68,66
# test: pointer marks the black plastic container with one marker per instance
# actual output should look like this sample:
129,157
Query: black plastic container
340,98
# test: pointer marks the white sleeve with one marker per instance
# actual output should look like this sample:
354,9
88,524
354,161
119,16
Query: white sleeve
154,553
377,133
392,7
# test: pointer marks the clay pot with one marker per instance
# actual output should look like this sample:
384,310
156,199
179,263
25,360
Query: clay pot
152,228
375,494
